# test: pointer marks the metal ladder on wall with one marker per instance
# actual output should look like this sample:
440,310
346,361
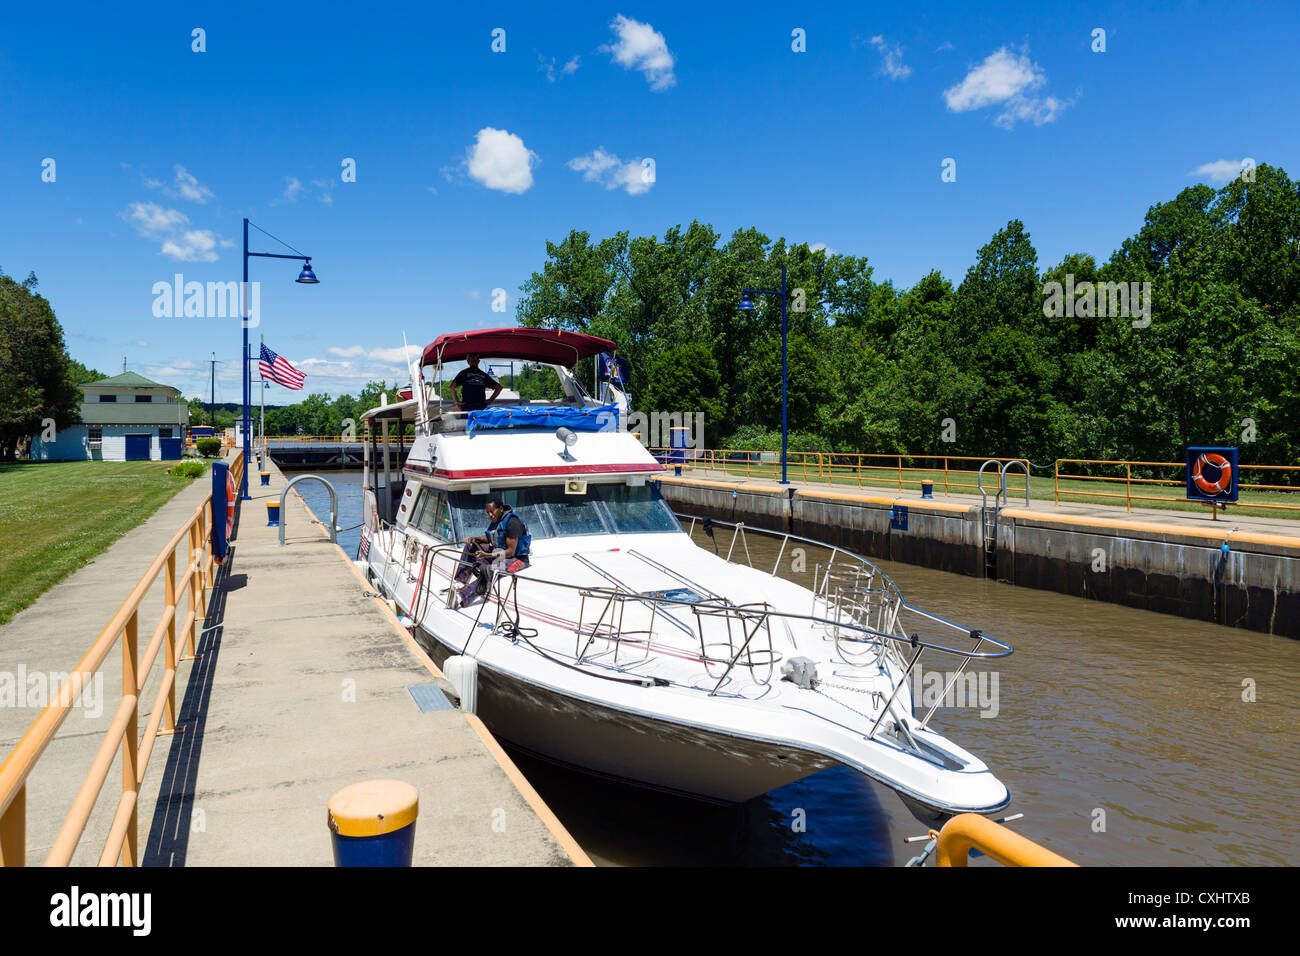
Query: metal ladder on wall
989,516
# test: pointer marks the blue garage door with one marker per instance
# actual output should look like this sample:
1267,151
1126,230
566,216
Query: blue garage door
170,448
137,447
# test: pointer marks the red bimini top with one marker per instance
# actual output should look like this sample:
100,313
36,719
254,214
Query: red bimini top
548,346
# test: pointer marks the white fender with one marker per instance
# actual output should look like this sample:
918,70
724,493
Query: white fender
463,673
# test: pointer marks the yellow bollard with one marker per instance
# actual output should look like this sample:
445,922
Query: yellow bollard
373,823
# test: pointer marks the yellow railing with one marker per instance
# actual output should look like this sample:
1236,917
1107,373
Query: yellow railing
970,831
1129,481
954,473
123,735
298,441
949,472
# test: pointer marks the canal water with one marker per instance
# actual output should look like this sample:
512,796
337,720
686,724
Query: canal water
1126,737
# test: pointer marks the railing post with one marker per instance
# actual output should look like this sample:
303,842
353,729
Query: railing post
900,474
1056,481
169,662
1128,487
131,737
13,831
196,577
945,476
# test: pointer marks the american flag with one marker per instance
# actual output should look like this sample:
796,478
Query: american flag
278,369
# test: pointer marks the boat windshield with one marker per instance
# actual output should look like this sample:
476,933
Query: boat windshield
550,513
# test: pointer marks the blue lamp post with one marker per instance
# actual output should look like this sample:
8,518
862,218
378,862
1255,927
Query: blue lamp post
747,303
307,277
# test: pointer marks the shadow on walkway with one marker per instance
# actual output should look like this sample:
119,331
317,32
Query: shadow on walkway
169,833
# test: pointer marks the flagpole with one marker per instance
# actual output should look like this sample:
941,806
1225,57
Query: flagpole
262,341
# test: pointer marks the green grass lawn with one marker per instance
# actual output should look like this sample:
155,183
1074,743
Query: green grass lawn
1172,497
56,516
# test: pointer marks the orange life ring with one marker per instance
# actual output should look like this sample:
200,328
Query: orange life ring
1207,487
231,496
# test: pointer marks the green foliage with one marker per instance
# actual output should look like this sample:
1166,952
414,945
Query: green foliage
209,447
36,375
189,469
975,370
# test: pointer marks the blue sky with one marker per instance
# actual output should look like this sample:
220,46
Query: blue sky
468,160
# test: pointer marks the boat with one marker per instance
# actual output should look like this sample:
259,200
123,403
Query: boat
631,646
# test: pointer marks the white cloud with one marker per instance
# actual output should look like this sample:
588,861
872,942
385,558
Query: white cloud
190,188
500,160
943,47
292,191
193,245
548,67
603,167
184,245
814,247
641,47
395,356
151,220
891,59
1009,79
140,344
185,186
1220,171
352,351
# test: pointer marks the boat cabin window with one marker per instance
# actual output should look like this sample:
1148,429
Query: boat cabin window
550,513
638,510
431,515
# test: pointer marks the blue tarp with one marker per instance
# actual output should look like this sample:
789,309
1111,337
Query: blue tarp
601,418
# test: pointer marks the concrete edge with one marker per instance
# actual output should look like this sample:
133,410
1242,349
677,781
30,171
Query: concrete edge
508,767
1163,532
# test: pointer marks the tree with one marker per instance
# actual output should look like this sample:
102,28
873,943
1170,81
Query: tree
36,377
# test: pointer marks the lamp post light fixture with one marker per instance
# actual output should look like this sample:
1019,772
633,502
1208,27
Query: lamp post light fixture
307,277
747,304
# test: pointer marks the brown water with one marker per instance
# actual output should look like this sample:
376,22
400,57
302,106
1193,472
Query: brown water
1123,735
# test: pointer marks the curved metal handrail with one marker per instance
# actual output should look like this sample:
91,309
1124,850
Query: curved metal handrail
984,499
334,506
1002,487
1004,649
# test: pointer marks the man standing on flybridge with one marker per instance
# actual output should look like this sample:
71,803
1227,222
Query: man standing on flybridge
474,383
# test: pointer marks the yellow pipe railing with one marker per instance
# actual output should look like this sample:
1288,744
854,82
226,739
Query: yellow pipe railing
1129,481
970,831
123,733
833,467
881,470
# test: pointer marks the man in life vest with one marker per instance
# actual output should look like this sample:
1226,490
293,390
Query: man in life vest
505,546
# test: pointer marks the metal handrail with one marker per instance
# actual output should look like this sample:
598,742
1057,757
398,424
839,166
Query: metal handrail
904,640
897,642
334,506
123,732
970,831
1128,497
831,467
1002,485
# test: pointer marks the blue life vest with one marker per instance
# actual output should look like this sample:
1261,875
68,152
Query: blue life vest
497,536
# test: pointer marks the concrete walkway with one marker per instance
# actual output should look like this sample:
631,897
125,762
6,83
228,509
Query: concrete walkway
300,688
1203,520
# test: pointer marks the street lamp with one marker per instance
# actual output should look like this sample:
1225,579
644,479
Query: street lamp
747,304
307,277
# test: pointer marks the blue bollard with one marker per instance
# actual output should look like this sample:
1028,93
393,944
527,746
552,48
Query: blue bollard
927,489
266,479
373,823
273,514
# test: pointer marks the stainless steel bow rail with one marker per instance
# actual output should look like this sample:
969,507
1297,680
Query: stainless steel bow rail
861,609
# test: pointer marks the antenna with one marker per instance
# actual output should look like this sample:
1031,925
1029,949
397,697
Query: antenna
417,386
